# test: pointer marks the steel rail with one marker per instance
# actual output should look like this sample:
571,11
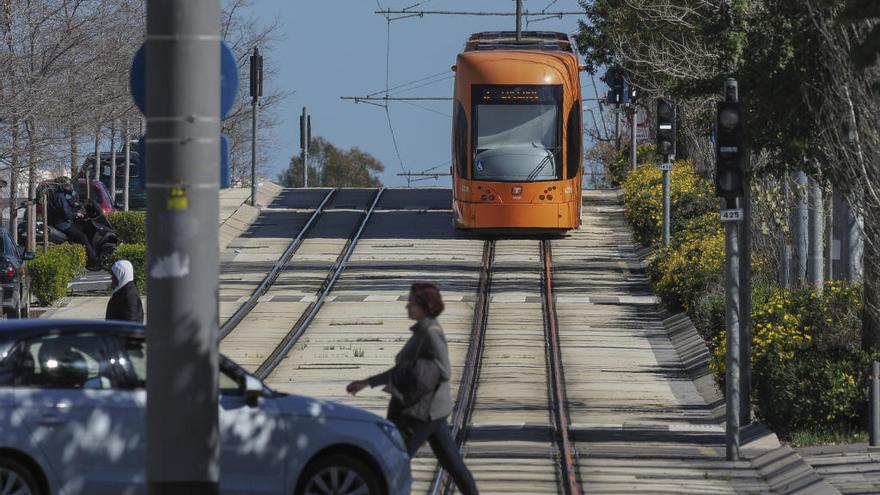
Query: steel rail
311,311
555,377
229,325
470,376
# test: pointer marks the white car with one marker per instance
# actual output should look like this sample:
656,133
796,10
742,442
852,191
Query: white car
72,404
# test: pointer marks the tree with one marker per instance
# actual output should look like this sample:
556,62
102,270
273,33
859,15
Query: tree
330,166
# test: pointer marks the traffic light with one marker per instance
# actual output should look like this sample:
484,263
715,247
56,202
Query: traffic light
256,74
665,127
728,150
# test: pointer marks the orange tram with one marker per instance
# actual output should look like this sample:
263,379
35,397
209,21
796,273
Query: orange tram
517,136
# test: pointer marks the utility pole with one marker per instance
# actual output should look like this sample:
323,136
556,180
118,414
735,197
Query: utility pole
97,164
305,138
256,93
518,20
729,180
745,292
666,113
183,157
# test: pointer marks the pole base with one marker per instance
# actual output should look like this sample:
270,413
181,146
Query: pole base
183,488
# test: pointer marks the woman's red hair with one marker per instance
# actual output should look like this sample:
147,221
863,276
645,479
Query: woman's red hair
427,296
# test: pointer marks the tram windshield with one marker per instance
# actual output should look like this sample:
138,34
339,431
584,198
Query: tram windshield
517,133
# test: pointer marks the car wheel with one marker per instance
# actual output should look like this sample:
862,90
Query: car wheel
339,474
16,479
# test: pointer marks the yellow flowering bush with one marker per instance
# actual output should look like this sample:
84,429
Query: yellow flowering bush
807,369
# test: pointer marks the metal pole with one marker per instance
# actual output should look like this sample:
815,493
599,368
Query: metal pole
667,218
305,137
97,164
127,137
816,226
801,220
829,233
113,161
255,105
785,265
32,225
518,20
633,147
875,404
733,337
855,246
617,129
45,221
183,200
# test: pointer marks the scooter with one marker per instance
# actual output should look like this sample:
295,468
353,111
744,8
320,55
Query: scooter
93,224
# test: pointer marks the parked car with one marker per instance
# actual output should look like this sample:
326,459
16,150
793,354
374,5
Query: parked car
14,283
72,397
137,191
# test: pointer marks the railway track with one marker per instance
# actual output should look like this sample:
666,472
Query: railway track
511,414
263,329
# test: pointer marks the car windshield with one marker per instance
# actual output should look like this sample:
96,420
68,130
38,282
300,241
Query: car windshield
517,133
96,192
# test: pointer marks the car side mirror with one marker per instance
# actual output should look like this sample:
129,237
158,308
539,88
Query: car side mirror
253,389
28,255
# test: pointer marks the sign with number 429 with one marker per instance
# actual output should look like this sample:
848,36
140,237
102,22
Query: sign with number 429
735,215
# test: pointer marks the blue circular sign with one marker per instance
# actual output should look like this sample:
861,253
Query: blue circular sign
229,81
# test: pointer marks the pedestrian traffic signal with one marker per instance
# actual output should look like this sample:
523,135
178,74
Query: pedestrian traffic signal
665,127
728,149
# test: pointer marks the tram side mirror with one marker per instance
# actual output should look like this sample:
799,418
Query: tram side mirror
454,68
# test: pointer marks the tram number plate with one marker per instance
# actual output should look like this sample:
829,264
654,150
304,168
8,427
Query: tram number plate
666,166
735,215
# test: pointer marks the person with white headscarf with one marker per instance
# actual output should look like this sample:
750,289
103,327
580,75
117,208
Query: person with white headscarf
125,303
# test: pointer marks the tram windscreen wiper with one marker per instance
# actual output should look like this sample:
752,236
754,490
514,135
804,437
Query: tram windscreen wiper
551,153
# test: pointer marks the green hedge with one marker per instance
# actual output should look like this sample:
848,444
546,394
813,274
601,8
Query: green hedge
137,255
130,226
620,167
52,270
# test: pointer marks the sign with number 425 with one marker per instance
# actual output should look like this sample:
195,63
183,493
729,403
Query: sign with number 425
734,215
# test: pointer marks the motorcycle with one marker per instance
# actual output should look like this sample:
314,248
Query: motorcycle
93,224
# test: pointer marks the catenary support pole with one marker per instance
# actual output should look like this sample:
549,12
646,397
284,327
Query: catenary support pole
733,336
854,244
518,20
183,142
305,136
816,227
829,233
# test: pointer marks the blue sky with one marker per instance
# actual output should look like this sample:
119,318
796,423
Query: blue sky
333,48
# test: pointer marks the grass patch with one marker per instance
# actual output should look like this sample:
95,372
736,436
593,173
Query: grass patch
826,437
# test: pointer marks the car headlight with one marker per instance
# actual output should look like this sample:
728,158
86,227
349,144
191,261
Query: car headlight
393,434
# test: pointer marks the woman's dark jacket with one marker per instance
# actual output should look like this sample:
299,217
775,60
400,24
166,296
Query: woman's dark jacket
419,380
125,304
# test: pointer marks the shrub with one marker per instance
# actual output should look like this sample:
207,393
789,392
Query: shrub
621,165
137,255
130,226
807,370
691,198
52,270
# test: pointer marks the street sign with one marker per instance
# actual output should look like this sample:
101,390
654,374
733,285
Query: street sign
225,166
734,215
666,166
228,79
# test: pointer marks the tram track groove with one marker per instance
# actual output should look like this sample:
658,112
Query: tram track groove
241,313
556,379
293,335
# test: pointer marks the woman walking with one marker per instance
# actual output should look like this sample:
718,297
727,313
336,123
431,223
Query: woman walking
125,303
419,386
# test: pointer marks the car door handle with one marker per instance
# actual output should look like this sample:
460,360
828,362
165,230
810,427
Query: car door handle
51,419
